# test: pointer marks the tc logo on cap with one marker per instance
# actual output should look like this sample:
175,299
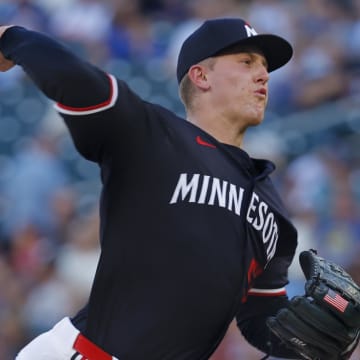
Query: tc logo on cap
250,31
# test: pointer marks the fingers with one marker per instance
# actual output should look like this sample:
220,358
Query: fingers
3,28
5,64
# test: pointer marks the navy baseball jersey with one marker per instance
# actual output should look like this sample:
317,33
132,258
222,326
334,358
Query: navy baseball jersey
190,227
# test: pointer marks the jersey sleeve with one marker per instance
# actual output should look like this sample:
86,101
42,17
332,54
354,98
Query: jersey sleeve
60,74
117,127
84,95
274,278
265,298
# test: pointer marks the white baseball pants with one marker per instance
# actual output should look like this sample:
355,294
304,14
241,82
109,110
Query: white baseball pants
62,342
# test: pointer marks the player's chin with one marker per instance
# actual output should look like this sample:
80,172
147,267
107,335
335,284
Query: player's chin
255,123
257,118
257,109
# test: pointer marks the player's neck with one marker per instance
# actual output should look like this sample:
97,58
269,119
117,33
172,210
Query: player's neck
221,128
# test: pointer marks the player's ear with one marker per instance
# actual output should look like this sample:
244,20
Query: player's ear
198,75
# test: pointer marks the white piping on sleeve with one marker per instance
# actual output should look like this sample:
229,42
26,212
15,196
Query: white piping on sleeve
92,109
267,292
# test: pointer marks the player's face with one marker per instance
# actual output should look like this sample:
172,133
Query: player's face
239,86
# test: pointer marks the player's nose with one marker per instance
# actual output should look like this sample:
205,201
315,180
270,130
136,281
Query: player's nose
261,74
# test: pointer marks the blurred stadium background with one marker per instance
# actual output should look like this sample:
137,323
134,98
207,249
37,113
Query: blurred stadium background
49,194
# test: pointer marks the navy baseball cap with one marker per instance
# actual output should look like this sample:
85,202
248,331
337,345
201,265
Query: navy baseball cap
216,35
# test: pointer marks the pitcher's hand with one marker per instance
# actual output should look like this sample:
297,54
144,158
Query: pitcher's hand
5,64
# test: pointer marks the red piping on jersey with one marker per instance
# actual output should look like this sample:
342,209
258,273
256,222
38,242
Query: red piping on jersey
93,107
89,350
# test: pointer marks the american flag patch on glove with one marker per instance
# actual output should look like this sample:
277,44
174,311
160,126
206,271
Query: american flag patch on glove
335,300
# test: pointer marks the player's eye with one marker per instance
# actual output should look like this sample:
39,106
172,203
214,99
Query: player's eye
246,61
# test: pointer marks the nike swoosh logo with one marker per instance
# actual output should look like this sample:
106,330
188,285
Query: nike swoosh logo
202,142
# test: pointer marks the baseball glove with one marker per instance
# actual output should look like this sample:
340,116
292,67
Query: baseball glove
324,324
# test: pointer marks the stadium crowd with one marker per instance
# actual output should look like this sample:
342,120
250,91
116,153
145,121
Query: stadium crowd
48,194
